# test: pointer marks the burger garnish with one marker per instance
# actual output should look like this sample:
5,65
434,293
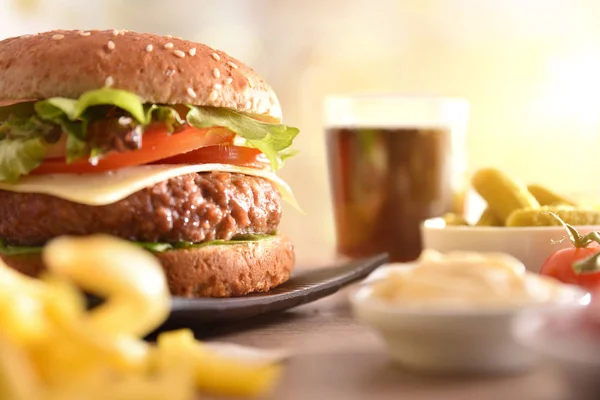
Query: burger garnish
105,121
155,247
167,143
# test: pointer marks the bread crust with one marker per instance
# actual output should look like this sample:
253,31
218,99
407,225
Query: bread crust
160,69
210,271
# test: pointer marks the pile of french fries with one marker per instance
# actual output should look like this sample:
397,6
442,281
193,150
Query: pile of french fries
53,348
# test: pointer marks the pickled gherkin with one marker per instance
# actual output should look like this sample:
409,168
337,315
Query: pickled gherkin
488,218
502,194
541,217
546,197
452,219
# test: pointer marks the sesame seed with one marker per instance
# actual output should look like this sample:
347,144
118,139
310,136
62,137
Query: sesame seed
169,36
213,95
84,33
216,73
248,104
109,81
192,51
58,36
110,45
149,48
216,56
179,53
191,92
115,32
232,65
168,45
228,81
217,86
250,83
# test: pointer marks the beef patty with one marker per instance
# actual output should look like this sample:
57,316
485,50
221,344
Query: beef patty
191,208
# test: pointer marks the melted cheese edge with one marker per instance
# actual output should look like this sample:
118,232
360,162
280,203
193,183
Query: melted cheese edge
109,187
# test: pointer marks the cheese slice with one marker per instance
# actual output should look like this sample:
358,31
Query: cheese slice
112,186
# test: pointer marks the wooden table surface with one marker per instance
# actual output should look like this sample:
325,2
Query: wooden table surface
335,357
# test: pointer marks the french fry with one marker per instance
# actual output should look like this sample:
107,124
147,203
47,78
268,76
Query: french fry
19,297
15,305
219,374
18,380
133,283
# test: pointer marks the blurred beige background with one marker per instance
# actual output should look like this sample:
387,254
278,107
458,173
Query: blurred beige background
531,70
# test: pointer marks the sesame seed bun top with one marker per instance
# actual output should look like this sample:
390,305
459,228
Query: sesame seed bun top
160,69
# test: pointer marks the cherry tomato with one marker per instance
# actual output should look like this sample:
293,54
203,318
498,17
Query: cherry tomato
560,265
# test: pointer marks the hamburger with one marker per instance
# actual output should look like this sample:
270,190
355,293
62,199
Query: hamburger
164,142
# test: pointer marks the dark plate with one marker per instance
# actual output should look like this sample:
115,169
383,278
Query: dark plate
303,287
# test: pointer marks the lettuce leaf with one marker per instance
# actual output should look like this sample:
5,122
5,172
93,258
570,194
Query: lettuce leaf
15,127
23,142
162,247
9,250
165,114
58,107
271,139
19,156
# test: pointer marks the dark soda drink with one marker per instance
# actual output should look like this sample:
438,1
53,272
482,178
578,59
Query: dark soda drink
384,183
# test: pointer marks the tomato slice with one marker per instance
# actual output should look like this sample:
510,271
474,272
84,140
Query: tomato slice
221,154
157,144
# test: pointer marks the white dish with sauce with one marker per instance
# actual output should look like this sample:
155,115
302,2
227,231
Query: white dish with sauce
457,320
532,245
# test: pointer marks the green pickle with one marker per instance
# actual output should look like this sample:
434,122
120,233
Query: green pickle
452,219
541,217
488,218
546,197
502,194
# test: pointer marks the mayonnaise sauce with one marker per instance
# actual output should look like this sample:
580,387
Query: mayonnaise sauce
464,279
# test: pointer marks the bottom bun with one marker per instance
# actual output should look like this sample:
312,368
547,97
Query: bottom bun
229,270
211,271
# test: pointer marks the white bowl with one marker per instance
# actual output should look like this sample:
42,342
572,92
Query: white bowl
435,340
558,337
531,245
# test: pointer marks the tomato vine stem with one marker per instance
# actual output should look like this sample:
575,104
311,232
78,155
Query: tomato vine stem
576,238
